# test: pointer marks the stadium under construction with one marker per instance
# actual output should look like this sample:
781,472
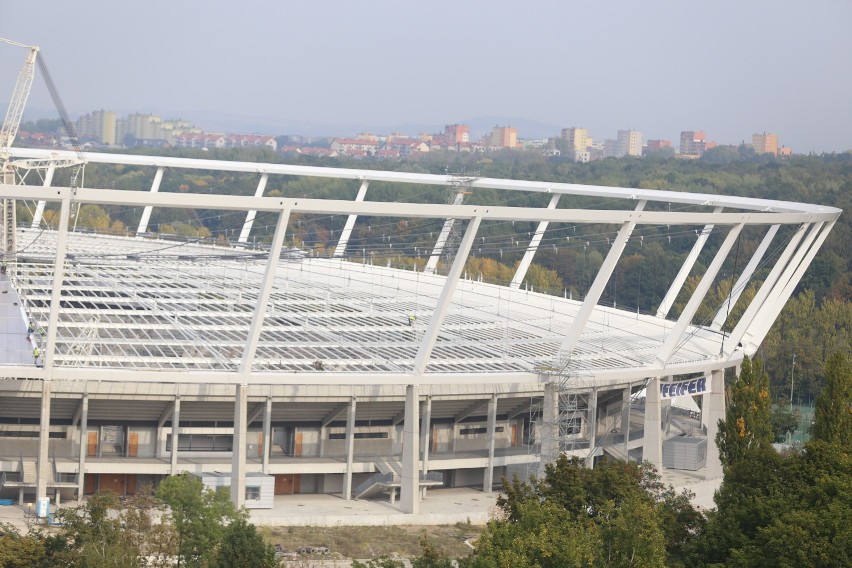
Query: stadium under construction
280,369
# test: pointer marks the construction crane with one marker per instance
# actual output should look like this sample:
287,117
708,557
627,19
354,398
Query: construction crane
9,130
11,123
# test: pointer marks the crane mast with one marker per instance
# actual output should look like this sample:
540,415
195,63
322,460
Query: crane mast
9,130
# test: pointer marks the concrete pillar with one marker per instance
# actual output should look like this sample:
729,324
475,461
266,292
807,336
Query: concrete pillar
625,419
592,425
488,479
549,427
267,434
45,471
705,406
175,434
716,413
425,431
84,447
238,452
409,501
652,446
350,449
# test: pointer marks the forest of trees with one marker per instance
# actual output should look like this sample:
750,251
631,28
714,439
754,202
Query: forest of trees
815,323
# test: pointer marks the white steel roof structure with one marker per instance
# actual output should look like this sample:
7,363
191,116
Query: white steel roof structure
141,309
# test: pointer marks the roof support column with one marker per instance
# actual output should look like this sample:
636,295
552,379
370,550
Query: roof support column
625,419
44,468
488,479
263,296
716,412
597,288
340,249
350,449
250,215
48,179
685,269
425,430
409,498
531,250
146,213
592,425
674,339
84,447
267,434
175,433
652,439
738,288
437,319
765,290
549,427
58,276
238,450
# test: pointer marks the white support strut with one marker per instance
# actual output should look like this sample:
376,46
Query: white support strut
532,248
252,213
340,249
685,269
597,288
146,213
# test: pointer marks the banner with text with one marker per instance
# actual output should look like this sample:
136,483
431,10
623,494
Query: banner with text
684,388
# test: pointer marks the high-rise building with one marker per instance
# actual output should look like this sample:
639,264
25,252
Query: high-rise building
577,142
765,143
629,143
100,126
692,142
504,137
457,133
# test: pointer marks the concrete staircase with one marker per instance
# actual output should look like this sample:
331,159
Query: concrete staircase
29,471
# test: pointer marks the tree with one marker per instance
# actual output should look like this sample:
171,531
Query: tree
613,515
243,547
431,557
784,422
833,414
381,562
199,517
747,424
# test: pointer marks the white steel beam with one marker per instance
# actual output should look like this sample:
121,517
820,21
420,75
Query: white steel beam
673,338
440,180
685,269
521,272
755,307
743,280
146,213
452,280
597,288
340,249
252,213
779,300
263,296
417,210
48,179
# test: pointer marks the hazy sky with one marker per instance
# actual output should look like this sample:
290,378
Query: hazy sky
730,68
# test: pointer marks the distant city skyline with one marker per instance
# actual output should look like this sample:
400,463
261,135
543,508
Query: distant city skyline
663,67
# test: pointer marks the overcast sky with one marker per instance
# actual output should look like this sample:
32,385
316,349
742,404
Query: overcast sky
730,68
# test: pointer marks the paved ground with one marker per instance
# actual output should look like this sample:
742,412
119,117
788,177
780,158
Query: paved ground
440,507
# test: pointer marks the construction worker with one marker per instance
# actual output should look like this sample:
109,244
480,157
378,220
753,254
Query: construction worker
411,320
36,355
